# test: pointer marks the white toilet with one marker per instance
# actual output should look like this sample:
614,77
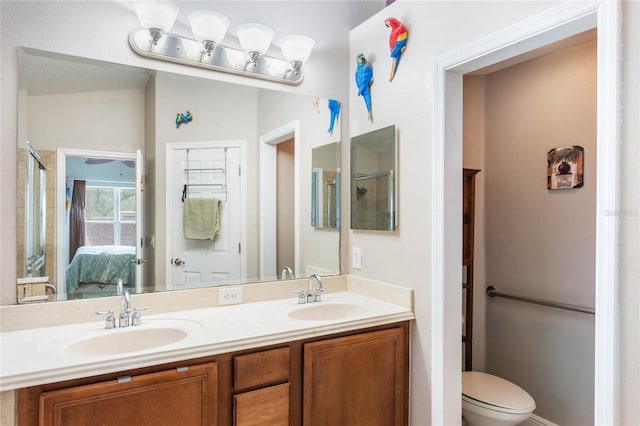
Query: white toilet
488,400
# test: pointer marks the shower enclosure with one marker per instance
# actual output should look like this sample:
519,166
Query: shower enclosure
35,215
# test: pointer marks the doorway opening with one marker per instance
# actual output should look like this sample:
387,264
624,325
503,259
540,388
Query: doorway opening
269,143
533,239
99,208
551,26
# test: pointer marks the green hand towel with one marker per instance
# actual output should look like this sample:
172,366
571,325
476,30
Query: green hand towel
201,218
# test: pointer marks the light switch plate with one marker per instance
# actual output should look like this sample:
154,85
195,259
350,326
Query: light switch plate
357,258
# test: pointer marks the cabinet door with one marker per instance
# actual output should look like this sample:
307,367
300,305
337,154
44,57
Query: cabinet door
356,380
184,396
262,407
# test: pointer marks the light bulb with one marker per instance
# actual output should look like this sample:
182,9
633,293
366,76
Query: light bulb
255,39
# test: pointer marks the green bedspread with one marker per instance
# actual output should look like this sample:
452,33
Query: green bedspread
101,264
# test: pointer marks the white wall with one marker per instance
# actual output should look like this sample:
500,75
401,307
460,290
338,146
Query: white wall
629,216
403,257
112,121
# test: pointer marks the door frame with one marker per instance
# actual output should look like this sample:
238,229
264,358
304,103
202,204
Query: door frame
555,24
169,147
268,193
61,238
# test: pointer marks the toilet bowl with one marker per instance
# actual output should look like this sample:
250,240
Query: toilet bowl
488,400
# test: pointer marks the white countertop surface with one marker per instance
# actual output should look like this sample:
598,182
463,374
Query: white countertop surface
41,355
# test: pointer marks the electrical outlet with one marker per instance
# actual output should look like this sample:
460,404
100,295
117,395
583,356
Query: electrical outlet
229,296
357,258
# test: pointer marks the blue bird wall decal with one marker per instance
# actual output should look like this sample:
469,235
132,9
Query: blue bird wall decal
397,42
364,80
334,108
183,118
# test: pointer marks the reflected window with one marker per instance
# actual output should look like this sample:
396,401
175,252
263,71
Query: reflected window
110,216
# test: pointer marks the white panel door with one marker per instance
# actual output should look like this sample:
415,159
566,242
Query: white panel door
206,171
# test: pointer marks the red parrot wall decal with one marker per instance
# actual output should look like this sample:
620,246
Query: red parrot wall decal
397,42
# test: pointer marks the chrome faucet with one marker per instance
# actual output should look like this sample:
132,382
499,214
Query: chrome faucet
125,309
314,296
126,318
286,273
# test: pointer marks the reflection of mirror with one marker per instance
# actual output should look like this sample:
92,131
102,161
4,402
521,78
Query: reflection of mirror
373,180
69,104
325,186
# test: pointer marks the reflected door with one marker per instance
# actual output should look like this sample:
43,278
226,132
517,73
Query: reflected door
209,170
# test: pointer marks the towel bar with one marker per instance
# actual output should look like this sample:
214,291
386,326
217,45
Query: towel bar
492,292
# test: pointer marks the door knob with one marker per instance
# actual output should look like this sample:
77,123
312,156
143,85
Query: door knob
178,261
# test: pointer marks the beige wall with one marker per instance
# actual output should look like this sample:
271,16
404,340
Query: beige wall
538,242
285,235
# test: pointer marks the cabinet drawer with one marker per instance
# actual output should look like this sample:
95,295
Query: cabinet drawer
261,368
267,407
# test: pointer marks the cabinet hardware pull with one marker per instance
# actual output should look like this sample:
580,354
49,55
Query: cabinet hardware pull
182,369
124,379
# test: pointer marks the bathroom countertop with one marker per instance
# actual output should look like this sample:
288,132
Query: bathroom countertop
41,355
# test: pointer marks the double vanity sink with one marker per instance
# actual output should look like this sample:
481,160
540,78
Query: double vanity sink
156,333
49,354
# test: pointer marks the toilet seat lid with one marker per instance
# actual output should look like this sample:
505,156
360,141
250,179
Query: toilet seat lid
495,391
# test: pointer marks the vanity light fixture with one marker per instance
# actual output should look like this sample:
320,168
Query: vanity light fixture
296,49
206,51
209,27
157,17
255,39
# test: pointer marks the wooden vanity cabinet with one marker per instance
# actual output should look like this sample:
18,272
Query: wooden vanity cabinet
353,378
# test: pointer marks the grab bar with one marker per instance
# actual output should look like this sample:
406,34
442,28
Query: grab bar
492,292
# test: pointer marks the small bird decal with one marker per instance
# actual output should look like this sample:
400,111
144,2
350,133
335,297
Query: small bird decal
397,42
364,80
334,108
183,118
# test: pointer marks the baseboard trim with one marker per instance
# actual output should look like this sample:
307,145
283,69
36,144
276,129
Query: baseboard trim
537,421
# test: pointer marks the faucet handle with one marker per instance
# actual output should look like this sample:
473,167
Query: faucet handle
110,322
136,318
302,298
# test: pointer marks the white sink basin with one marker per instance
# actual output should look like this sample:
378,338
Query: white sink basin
323,311
94,340
119,341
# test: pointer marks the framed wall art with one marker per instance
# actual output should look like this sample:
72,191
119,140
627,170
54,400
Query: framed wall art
565,167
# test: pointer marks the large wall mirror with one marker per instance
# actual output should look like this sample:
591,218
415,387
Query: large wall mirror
134,157
373,180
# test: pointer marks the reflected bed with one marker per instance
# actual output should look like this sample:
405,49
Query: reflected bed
101,265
